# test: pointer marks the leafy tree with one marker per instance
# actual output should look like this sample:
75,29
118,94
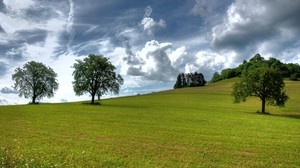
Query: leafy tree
189,80
95,75
265,83
294,77
184,80
35,81
178,83
216,77
229,73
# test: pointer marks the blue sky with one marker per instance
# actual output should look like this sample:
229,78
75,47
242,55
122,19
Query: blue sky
149,41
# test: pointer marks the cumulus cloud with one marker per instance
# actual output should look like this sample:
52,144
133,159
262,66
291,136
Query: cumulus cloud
149,25
131,58
249,24
158,61
208,62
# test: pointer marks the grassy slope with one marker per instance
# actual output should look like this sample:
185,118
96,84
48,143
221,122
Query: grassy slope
193,127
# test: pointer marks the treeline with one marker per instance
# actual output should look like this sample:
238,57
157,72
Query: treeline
288,70
189,80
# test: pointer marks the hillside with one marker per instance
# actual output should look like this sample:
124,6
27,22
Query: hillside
190,127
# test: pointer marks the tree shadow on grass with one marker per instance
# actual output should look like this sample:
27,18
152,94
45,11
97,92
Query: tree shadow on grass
89,103
287,115
125,106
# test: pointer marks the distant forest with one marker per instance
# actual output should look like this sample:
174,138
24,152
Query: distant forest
288,70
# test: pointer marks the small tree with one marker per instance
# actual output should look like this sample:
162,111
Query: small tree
95,75
265,83
35,81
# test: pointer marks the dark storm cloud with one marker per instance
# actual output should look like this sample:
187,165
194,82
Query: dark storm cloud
250,24
7,90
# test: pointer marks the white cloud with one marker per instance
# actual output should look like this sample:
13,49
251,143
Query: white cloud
70,23
207,62
17,5
149,25
156,64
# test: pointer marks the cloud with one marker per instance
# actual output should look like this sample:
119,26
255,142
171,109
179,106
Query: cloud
2,6
207,62
205,8
3,68
131,58
149,25
2,30
7,90
4,101
249,24
70,29
156,62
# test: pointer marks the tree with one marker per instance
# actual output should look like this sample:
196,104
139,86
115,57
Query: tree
35,81
265,83
216,77
189,80
178,83
95,75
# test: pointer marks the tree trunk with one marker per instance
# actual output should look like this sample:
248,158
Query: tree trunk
93,99
33,99
263,105
99,97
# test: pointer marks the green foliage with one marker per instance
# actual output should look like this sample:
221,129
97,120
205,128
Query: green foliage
95,75
294,77
216,77
177,128
265,83
35,81
257,61
229,73
189,80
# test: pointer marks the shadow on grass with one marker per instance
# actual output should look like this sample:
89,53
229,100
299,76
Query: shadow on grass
287,115
130,106
93,104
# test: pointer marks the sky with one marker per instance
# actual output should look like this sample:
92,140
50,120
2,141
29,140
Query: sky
149,41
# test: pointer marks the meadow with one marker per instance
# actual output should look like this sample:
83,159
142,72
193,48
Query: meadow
191,127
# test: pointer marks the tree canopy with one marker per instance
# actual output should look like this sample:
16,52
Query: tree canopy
189,80
35,81
263,82
95,75
288,70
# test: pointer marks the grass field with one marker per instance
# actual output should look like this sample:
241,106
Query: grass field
193,127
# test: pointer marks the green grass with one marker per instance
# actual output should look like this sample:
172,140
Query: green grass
193,127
